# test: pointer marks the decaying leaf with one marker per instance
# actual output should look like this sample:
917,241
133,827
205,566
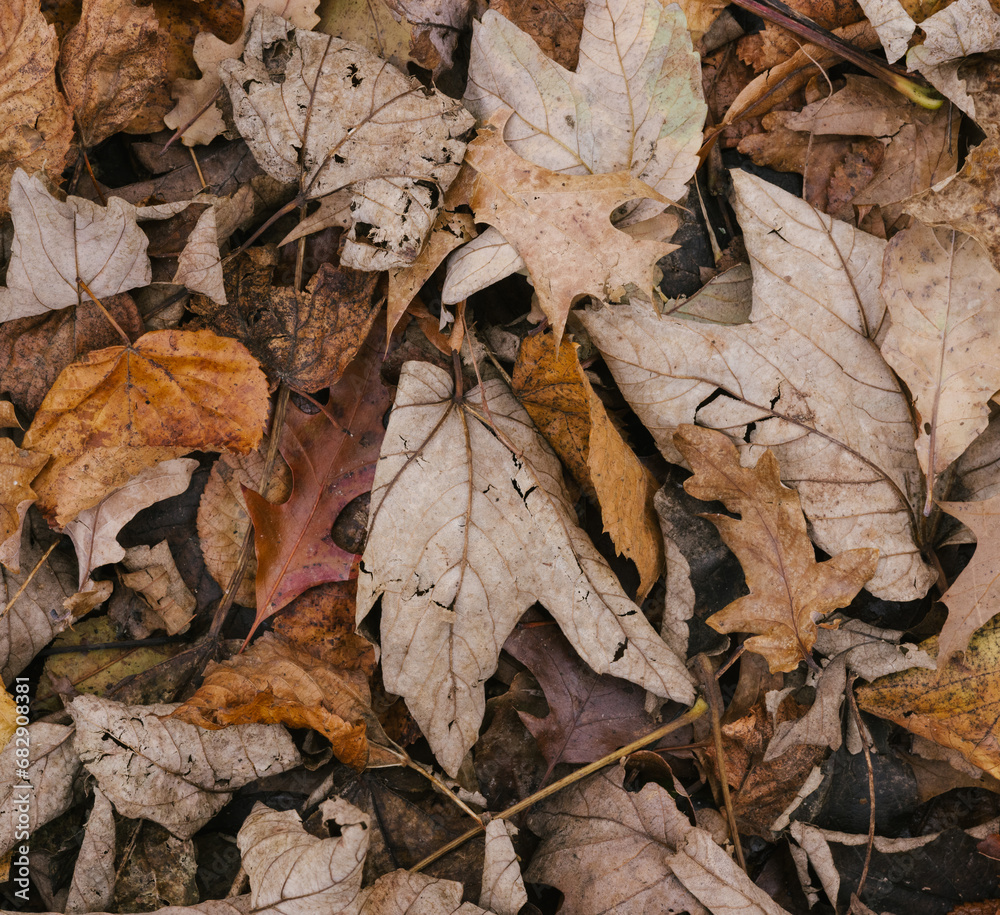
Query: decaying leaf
944,298
560,225
199,266
197,111
892,22
153,573
36,125
551,385
360,111
122,409
369,24
458,513
332,457
169,771
109,62
955,705
785,380
634,104
789,590
297,873
92,888
17,469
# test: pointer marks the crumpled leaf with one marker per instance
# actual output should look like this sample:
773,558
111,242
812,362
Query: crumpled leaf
55,242
109,63
634,104
453,551
955,705
18,468
36,125
93,884
789,590
122,409
893,24
360,112
436,27
94,531
276,681
197,98
153,573
332,459
787,377
199,266
54,766
560,225
944,298
169,771
503,886
296,873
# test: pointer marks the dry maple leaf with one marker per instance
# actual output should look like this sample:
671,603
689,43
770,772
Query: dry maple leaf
17,469
36,125
804,378
944,298
956,705
789,590
121,409
333,116
560,225
168,771
470,525
109,63
551,385
332,456
634,104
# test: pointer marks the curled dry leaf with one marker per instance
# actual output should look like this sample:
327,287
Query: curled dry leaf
470,525
17,469
296,873
58,242
634,105
122,409
109,63
153,573
36,126
54,766
436,28
199,266
944,298
169,771
94,531
196,111
334,116
560,225
503,886
551,385
783,380
789,590
93,884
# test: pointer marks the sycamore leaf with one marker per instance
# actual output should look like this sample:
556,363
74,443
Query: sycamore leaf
634,104
469,527
122,409
17,469
197,98
54,767
789,590
36,125
296,873
955,705
332,457
276,681
944,298
360,113
153,573
551,385
560,225
109,62
58,242
168,771
94,531
803,378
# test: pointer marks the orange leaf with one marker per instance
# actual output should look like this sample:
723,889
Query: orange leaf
122,409
17,469
789,590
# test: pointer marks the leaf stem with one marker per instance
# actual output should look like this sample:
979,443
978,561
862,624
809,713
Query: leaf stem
692,714
107,314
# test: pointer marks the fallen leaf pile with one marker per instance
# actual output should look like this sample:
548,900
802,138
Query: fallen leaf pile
492,457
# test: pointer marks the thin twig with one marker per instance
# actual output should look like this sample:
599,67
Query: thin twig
107,314
692,714
863,733
27,581
197,168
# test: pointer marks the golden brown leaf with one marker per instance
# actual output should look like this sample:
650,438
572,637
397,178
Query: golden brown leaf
789,590
553,388
110,61
122,409
560,225
36,126
956,706
17,469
